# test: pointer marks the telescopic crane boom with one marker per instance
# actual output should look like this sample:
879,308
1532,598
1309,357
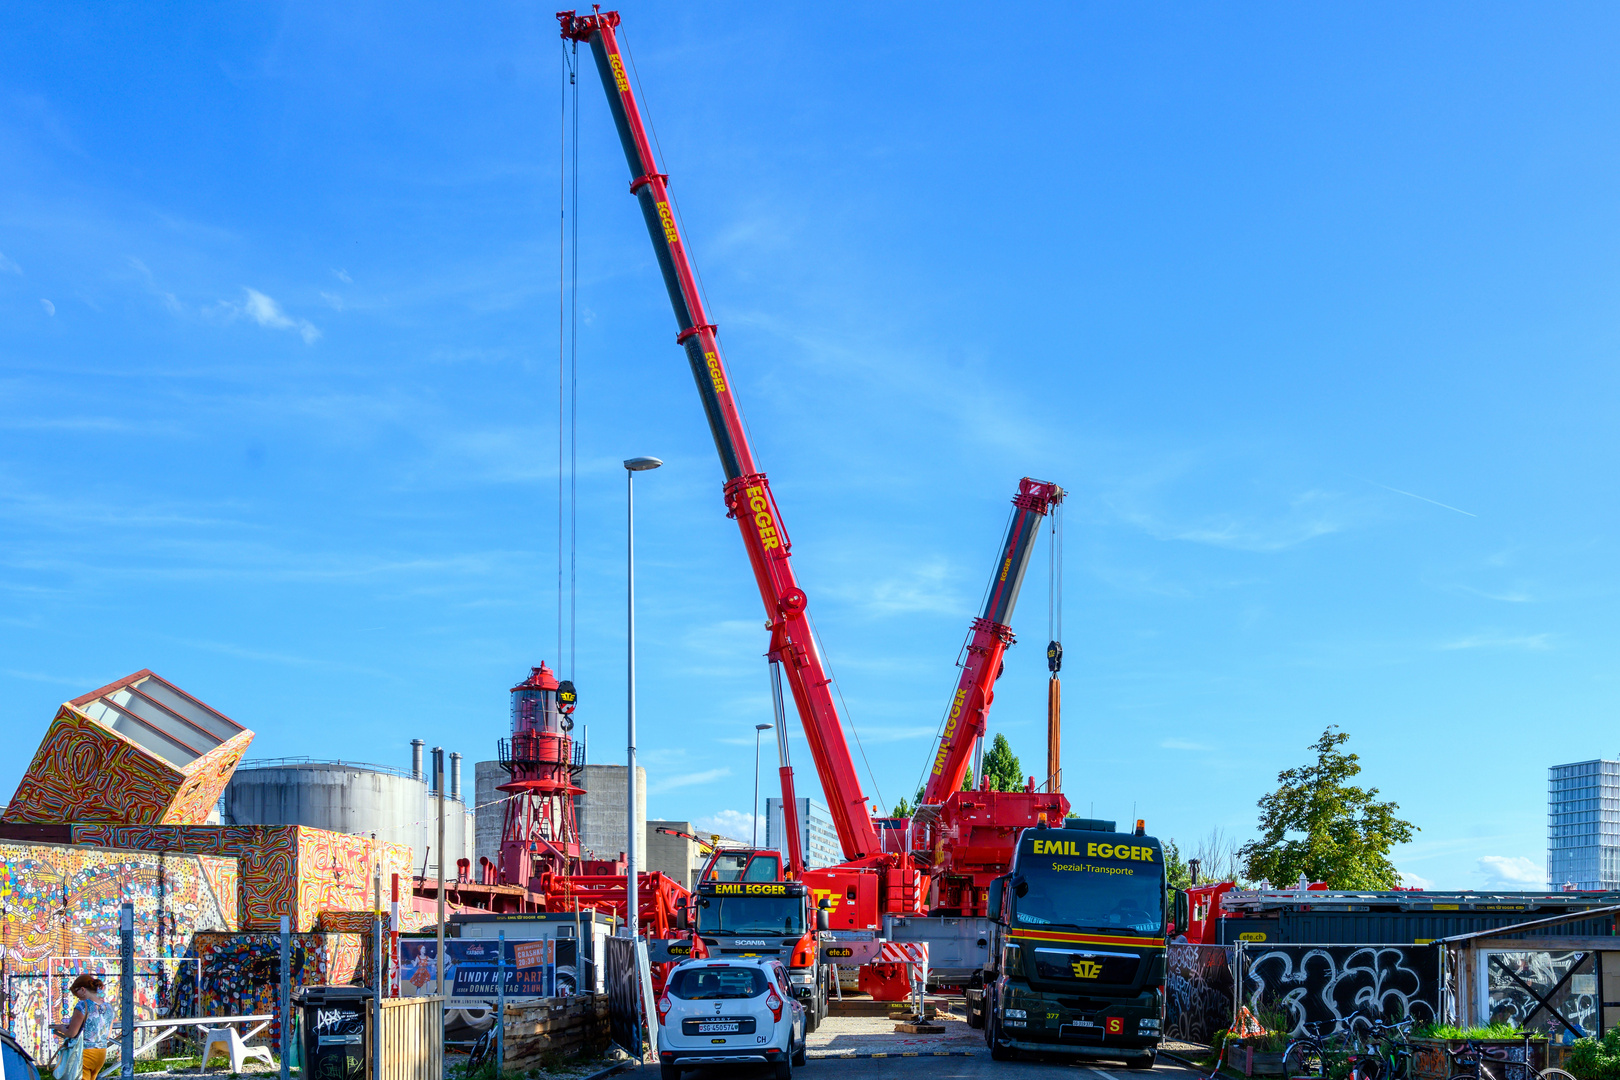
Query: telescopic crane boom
747,492
991,634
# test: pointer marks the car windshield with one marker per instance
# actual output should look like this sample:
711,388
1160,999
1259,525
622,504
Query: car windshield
751,915
704,983
1089,895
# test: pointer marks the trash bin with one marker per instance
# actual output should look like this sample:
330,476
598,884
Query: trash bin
335,1046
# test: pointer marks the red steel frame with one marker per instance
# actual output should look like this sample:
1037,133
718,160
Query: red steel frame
747,492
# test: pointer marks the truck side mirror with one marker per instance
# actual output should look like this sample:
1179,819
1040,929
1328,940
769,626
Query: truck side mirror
823,921
825,903
683,918
1178,917
993,899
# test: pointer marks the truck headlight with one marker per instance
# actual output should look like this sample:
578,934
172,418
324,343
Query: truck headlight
1015,1014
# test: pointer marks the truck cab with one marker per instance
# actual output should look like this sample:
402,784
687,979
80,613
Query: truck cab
1076,961
771,920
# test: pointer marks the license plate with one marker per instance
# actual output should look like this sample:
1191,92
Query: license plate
719,1029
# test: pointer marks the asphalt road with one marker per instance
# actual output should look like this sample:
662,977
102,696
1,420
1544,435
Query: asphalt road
977,1067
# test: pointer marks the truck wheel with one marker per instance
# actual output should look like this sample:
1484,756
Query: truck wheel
993,1037
975,1012
1146,1061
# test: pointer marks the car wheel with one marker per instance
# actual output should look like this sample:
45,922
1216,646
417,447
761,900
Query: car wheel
812,1016
784,1069
799,1055
668,1070
992,1035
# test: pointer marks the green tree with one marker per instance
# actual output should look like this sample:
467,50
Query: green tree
1318,825
902,808
1176,874
1001,766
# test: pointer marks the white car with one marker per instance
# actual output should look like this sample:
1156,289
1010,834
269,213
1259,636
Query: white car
740,1011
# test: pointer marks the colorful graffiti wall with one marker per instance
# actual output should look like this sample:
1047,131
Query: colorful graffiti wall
241,973
59,917
1198,992
1352,983
85,771
288,870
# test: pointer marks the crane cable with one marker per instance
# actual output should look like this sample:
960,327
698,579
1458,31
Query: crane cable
568,355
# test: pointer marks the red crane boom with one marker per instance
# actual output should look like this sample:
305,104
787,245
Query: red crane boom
747,492
991,634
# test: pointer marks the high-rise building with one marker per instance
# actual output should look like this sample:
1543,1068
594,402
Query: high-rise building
818,840
1583,825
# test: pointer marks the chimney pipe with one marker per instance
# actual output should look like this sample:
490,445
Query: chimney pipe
416,758
455,776
437,784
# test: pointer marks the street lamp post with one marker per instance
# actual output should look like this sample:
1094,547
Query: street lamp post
631,467
759,729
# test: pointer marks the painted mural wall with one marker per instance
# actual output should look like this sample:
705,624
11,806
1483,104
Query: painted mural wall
288,870
1198,991
59,918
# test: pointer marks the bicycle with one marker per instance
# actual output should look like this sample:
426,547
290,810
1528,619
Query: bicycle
1475,1059
1383,1053
1308,1054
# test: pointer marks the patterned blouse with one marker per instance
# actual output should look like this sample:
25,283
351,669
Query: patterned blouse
98,1022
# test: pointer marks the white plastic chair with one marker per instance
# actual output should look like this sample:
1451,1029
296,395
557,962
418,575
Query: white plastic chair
227,1039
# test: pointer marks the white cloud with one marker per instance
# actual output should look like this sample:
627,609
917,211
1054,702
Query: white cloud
50,308
734,824
1414,881
7,266
1533,642
1182,744
1505,870
267,313
686,780
343,276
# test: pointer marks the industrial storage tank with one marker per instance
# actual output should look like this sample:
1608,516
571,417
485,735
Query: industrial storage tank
354,797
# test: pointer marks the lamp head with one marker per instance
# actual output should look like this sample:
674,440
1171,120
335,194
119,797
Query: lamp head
762,727
642,464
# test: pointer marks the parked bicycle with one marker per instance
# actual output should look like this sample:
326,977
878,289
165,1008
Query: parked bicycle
1477,1062
1309,1054
1382,1052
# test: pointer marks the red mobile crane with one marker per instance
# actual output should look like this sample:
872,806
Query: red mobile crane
978,827
991,634
747,491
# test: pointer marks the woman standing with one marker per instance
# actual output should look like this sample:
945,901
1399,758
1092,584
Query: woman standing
92,1018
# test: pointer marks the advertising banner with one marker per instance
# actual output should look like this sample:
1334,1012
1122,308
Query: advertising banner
470,968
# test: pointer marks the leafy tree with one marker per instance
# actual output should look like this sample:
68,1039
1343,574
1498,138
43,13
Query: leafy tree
1001,766
902,808
1347,832
1175,867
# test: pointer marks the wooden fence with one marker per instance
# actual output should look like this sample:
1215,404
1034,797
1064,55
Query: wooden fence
412,1039
543,1028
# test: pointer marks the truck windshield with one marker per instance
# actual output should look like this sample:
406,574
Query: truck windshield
751,915
1090,895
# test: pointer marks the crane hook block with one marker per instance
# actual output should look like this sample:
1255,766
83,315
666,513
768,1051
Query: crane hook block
1054,657
793,601
566,697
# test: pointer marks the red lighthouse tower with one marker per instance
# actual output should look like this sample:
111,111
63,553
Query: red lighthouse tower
540,837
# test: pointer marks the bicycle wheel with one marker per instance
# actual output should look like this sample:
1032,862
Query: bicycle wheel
1302,1059
1555,1074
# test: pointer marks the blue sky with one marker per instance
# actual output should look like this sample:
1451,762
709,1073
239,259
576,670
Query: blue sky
1313,311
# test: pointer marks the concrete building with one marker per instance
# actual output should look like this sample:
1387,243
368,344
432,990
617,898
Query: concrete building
818,839
679,858
1583,825
351,797
488,776
602,811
